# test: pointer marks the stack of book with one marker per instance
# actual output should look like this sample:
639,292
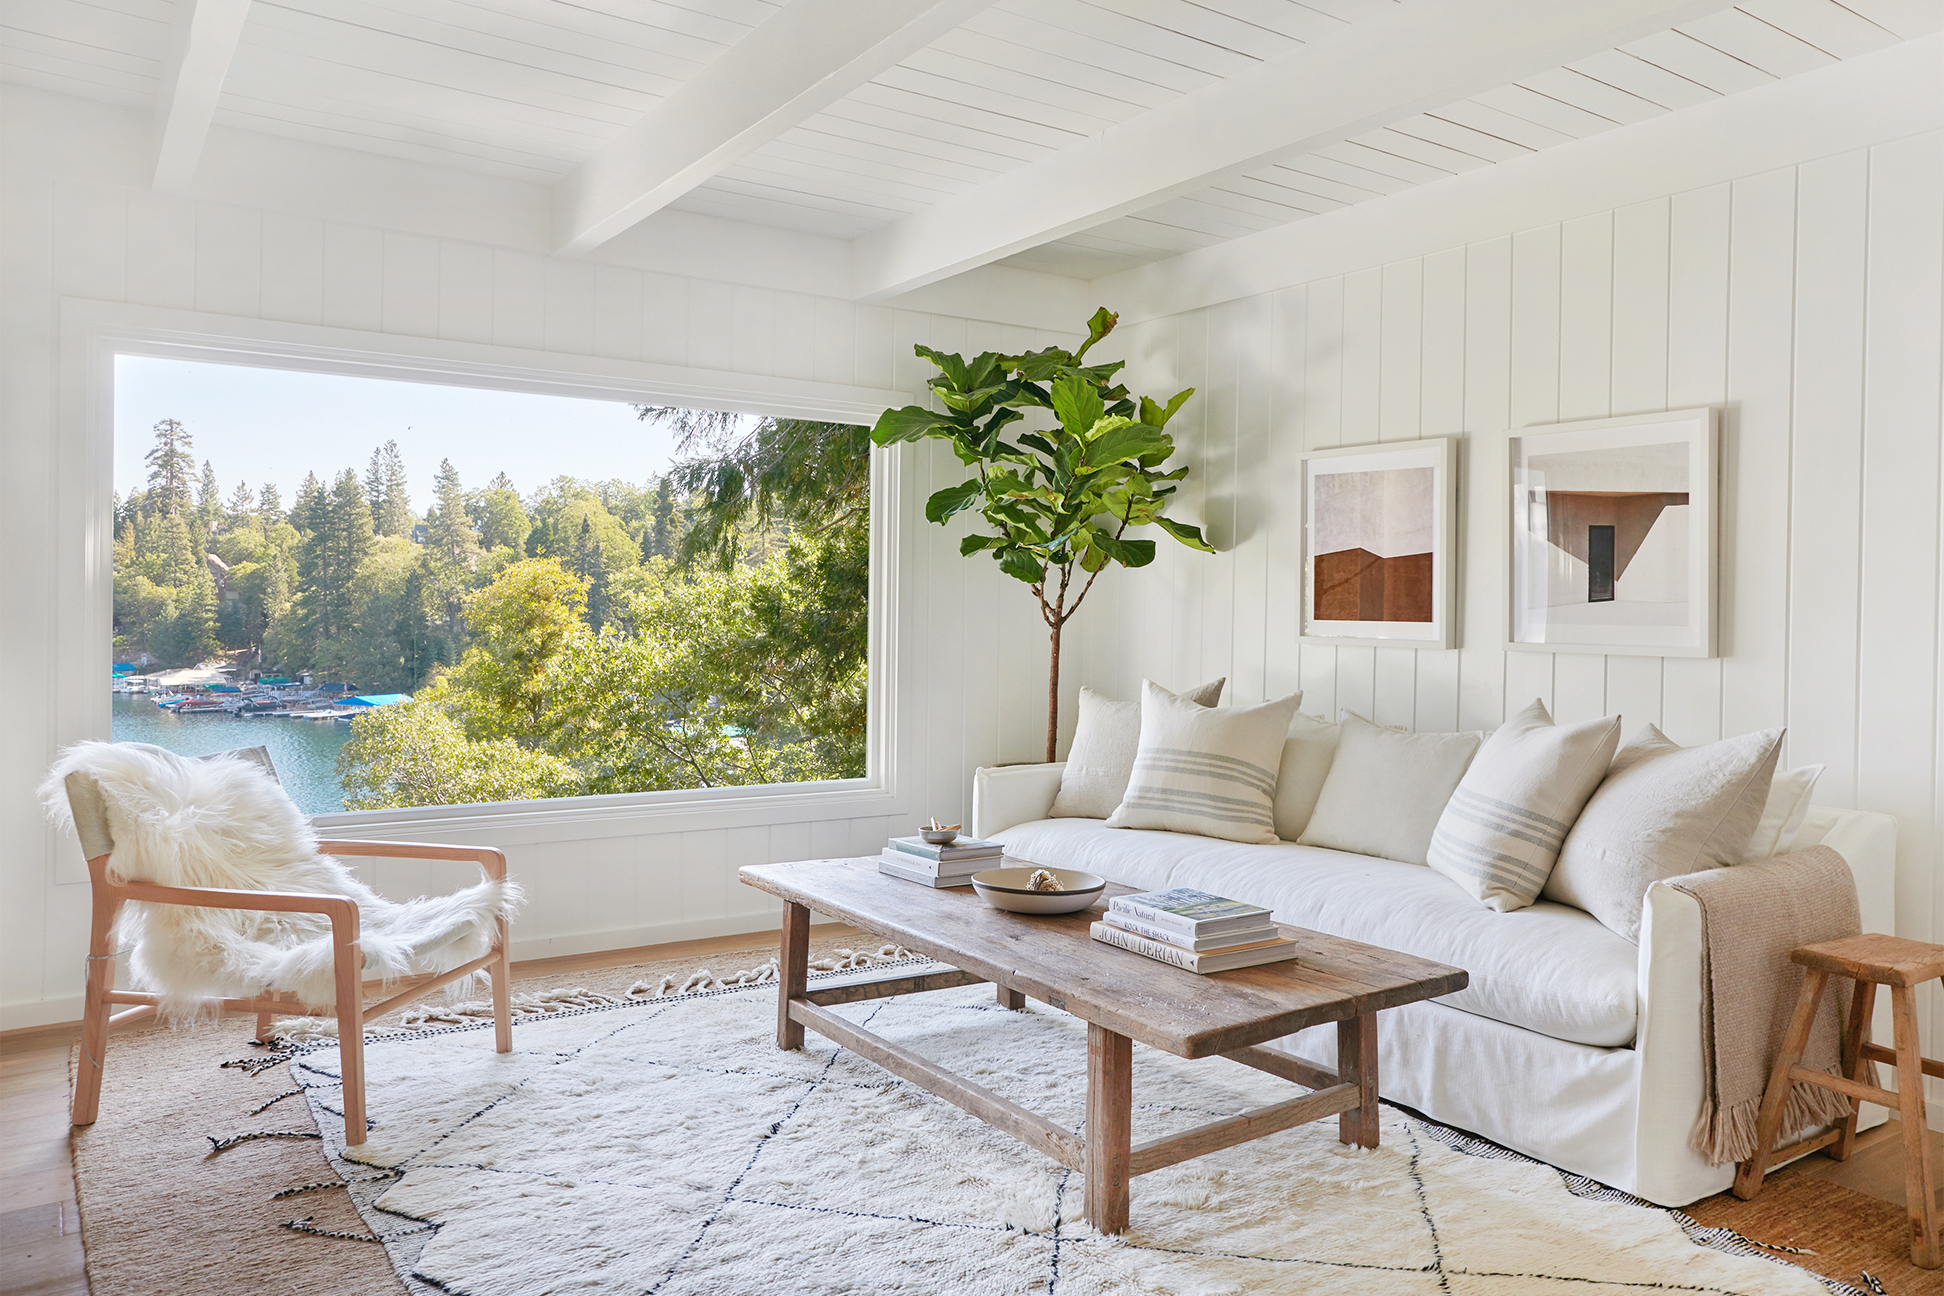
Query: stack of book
916,860
1194,930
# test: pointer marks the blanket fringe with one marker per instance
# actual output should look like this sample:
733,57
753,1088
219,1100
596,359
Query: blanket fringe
1727,1135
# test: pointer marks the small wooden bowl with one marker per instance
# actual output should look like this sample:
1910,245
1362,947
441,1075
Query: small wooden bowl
1005,888
939,836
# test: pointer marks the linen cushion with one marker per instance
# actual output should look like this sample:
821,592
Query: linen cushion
1386,789
1105,740
1664,810
1504,825
1547,968
1307,754
1783,813
1206,770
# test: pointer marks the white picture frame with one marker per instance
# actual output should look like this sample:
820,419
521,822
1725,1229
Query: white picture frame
1612,535
1380,536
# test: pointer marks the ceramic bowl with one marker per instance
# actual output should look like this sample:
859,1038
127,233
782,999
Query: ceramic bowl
939,836
1005,888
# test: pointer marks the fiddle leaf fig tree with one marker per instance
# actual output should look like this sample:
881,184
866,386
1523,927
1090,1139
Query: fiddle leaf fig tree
1057,504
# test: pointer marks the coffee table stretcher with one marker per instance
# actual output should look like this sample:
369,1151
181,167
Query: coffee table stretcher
1105,1157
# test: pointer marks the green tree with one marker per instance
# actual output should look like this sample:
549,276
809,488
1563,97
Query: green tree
270,510
388,492
500,516
337,541
415,753
171,468
452,544
517,624
241,507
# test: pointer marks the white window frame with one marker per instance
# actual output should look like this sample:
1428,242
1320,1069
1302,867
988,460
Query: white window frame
94,333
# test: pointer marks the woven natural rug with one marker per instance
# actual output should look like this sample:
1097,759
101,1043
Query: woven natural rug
667,1146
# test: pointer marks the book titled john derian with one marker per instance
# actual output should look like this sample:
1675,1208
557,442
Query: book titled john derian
1223,960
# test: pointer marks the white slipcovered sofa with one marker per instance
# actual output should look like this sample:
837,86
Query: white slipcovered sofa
1571,1044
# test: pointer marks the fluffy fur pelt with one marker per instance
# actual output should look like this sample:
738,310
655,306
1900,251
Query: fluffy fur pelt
227,823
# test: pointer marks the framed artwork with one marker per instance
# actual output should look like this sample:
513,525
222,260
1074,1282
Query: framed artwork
1380,544
1612,532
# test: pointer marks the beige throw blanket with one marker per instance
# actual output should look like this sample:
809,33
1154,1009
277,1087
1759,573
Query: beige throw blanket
1752,915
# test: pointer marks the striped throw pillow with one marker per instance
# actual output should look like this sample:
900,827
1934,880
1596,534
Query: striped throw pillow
1502,829
1203,770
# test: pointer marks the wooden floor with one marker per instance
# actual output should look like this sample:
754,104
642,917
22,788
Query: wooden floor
40,1227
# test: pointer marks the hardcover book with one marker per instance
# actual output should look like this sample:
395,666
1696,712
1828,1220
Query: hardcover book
1241,956
939,868
919,875
1190,912
963,848
1198,944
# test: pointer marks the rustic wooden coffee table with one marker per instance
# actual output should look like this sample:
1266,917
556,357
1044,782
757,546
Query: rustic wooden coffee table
1121,996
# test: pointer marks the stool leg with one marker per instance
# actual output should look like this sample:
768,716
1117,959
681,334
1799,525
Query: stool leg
1748,1175
1856,1033
1920,1175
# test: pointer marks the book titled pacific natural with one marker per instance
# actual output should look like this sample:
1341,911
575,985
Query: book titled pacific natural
1191,913
1222,960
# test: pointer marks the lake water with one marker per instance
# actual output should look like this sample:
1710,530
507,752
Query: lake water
304,751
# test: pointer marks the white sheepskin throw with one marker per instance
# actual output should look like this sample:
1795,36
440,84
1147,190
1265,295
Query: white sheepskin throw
226,823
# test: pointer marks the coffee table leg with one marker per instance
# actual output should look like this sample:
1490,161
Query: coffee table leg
1357,1063
1110,1109
792,973
1013,999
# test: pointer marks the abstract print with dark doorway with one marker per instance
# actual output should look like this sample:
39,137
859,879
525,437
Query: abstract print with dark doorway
1611,538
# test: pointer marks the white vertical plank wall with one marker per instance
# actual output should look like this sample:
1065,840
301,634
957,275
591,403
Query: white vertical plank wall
1803,302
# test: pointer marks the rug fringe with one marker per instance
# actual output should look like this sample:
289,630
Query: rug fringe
842,960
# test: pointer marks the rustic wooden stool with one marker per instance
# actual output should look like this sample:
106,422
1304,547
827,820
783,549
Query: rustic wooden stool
1870,961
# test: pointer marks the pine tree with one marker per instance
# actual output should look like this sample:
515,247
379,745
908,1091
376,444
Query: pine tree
242,506
269,506
338,542
451,545
171,467
661,536
209,500
303,513
387,491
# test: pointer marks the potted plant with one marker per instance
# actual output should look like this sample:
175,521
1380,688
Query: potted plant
1058,502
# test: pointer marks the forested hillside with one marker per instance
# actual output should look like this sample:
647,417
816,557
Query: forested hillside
702,629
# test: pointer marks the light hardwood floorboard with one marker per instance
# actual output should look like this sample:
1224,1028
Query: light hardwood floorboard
40,1230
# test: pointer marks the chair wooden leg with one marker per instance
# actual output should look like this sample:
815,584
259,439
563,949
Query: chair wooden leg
349,958
502,975
95,1012
1856,1033
1920,1170
1748,1175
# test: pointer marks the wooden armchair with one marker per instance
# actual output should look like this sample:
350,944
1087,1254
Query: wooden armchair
97,844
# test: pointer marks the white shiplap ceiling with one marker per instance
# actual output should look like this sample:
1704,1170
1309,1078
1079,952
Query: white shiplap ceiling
533,89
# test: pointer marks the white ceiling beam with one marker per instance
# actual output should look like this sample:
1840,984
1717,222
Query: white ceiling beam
1421,55
800,60
186,98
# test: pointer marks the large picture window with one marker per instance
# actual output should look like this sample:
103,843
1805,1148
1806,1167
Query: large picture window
421,595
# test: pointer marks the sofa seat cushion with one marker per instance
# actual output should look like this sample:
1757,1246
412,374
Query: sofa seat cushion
1547,968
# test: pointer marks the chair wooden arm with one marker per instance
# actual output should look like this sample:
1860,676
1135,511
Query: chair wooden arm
341,910
491,860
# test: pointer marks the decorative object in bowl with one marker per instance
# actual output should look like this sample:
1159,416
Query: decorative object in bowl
1011,889
938,834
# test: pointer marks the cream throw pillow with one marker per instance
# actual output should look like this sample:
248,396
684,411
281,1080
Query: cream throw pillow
1307,753
1502,830
1386,789
1205,770
1105,739
1783,813
1664,810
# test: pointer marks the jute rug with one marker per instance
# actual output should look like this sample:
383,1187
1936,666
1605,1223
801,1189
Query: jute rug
666,1145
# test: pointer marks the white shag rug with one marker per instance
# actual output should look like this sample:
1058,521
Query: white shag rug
667,1146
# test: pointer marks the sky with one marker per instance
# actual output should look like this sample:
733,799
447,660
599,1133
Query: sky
276,425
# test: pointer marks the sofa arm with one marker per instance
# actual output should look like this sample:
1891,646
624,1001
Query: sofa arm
1005,795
